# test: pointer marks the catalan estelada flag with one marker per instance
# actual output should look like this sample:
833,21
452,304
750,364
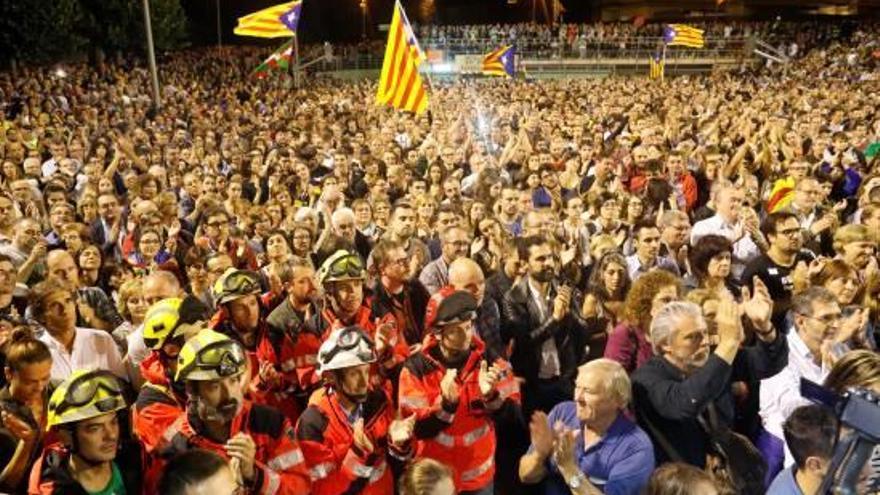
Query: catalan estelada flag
683,35
657,65
277,21
500,62
400,85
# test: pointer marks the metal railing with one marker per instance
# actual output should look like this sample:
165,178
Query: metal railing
608,49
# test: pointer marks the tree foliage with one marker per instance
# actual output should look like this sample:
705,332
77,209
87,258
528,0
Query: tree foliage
36,31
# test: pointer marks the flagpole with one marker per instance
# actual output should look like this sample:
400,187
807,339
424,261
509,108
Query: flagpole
151,55
219,36
663,67
296,75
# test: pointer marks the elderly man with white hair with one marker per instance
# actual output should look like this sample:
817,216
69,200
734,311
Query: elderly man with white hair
686,378
588,445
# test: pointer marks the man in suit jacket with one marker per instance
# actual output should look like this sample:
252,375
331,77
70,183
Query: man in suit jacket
549,332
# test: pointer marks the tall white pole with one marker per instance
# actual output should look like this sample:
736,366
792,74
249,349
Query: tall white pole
151,55
219,36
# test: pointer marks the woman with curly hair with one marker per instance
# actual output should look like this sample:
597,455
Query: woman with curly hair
629,343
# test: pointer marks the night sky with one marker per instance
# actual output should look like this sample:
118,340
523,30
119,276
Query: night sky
338,20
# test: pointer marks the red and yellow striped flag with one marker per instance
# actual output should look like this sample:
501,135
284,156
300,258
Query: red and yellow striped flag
400,84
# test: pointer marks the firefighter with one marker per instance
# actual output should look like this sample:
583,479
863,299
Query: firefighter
241,315
457,387
167,326
349,435
92,457
258,440
342,277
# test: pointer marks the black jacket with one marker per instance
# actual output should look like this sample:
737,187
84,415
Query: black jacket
667,403
414,304
521,322
56,479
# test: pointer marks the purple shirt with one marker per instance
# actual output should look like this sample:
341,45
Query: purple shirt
628,346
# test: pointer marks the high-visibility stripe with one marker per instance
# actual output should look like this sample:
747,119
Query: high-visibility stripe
444,416
287,460
413,402
273,482
321,471
361,470
464,439
472,474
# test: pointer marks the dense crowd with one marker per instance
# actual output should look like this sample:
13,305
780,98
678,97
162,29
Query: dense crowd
574,286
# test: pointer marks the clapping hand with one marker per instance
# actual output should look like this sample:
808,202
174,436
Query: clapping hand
488,378
401,430
758,307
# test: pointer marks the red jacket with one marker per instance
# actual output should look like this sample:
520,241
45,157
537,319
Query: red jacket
273,346
157,405
336,465
461,435
314,333
279,464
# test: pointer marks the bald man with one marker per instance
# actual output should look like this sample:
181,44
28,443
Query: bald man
94,308
156,286
465,274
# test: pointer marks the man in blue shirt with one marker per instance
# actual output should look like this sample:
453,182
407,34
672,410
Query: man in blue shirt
810,433
597,449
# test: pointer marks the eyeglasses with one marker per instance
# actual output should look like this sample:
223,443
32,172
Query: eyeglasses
827,320
789,232
217,225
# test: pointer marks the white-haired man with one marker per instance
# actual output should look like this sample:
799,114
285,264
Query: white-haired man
588,444
687,378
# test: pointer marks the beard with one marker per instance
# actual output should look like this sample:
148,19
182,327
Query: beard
224,412
545,275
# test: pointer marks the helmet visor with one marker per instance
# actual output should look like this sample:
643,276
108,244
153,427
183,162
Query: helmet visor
348,339
224,358
348,267
84,389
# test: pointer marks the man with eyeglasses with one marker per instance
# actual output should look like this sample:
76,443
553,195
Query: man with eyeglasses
216,232
454,243
814,343
105,229
776,267
398,299
730,222
257,440
27,251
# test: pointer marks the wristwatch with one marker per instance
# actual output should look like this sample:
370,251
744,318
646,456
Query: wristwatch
577,481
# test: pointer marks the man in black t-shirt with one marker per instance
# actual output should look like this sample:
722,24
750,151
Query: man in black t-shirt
776,268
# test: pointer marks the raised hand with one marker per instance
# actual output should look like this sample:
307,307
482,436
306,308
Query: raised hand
401,430
488,378
758,307
242,448
542,436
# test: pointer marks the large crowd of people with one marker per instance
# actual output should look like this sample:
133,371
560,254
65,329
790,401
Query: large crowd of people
573,286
